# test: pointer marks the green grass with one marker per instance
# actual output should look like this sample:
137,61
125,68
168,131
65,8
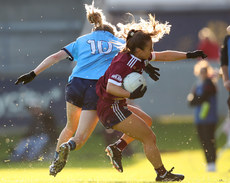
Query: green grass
173,134
190,163
176,139
176,134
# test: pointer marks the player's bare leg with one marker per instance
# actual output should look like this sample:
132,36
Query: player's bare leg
114,151
87,123
136,128
73,112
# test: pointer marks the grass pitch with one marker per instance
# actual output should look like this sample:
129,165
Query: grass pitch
189,163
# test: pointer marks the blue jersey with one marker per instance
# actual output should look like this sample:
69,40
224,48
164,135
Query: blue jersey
93,53
212,116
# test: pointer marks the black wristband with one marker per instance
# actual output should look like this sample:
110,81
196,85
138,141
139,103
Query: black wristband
32,74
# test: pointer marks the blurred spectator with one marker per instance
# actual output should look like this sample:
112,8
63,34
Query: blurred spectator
40,137
203,98
225,56
209,44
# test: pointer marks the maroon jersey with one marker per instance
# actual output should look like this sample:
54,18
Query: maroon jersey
122,65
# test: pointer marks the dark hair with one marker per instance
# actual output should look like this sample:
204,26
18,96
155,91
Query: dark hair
136,39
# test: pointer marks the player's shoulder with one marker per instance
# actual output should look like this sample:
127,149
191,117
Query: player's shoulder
121,57
85,36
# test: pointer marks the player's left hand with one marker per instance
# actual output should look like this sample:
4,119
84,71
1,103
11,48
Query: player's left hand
26,78
138,93
196,54
153,72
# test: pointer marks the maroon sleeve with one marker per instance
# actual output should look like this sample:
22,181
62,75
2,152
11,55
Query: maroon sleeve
118,72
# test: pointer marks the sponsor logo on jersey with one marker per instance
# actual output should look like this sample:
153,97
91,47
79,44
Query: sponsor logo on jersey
117,77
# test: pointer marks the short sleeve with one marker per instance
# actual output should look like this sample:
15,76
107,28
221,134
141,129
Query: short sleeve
71,50
118,73
152,56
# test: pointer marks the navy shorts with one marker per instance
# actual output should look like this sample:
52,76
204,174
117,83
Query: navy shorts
82,93
112,114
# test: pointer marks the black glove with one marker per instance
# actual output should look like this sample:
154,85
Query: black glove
152,72
138,93
196,54
26,78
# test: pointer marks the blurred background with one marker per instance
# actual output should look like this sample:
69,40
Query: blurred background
31,30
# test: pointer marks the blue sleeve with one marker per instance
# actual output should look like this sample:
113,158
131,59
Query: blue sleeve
122,41
71,50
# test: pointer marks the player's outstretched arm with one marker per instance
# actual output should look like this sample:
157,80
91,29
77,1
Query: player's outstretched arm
170,55
46,63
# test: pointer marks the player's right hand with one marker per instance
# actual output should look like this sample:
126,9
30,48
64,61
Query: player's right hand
138,93
196,54
26,78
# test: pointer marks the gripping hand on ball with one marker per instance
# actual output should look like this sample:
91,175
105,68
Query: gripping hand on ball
26,78
153,72
138,93
196,54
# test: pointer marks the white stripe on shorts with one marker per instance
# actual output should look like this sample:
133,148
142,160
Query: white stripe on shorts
118,112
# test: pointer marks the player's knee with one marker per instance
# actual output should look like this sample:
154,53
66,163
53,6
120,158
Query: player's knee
149,121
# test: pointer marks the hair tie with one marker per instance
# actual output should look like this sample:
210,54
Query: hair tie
131,34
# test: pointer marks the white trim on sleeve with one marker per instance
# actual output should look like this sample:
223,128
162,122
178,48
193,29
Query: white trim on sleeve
153,56
114,82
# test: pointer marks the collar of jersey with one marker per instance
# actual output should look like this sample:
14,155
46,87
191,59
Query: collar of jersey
104,32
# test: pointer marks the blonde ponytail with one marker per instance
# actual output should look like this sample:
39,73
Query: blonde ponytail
96,17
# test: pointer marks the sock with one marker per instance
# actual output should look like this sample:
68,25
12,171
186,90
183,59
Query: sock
56,155
72,145
121,144
161,171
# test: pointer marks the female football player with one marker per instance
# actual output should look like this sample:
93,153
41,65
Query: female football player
93,53
112,108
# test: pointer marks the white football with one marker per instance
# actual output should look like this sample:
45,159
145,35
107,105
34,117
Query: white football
133,80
